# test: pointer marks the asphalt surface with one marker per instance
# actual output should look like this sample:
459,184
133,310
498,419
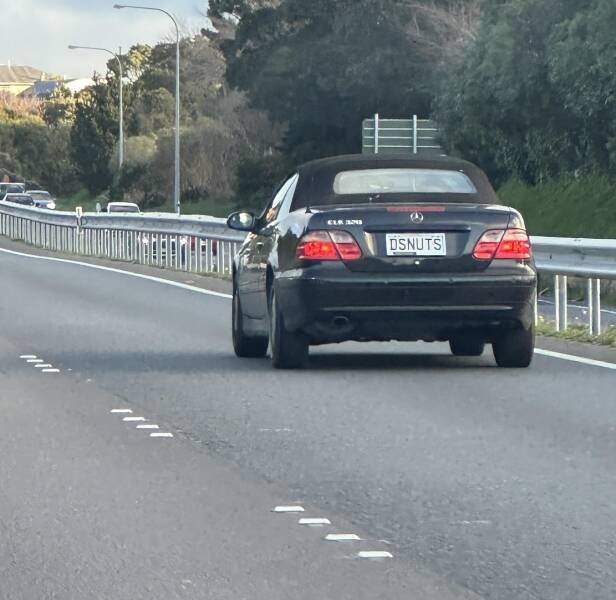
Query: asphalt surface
480,482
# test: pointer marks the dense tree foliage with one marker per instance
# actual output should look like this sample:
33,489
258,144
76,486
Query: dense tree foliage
533,96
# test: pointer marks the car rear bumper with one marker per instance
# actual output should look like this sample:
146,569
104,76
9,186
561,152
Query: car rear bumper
431,308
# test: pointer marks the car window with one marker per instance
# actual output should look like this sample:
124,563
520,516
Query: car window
285,208
402,181
271,212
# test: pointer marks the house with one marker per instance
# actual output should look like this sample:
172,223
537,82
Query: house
46,87
15,79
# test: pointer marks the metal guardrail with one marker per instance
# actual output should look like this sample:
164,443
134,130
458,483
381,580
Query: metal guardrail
192,244
589,259
201,244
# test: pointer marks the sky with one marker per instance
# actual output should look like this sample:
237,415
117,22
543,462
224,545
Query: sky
37,32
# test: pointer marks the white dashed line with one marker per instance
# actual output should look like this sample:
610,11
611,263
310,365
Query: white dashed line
121,411
317,521
148,426
133,419
50,370
28,356
161,435
288,509
43,366
35,360
342,537
374,554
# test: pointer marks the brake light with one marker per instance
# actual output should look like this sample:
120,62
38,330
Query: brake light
328,245
512,244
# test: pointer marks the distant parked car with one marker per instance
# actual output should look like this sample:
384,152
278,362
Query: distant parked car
11,188
123,207
42,199
22,199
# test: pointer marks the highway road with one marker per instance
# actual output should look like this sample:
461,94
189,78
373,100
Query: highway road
472,481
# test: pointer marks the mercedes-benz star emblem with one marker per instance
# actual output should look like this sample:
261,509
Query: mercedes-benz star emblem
417,217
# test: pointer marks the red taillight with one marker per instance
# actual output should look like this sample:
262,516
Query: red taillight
515,245
328,245
503,244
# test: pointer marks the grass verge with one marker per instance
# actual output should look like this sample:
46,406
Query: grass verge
579,333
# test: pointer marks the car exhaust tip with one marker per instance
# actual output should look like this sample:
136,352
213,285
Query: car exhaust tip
341,322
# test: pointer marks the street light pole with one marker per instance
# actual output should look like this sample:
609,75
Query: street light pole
176,179
117,57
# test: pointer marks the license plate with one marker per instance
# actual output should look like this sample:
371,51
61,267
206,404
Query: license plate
416,244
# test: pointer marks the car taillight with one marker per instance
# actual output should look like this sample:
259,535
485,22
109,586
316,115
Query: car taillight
328,245
503,244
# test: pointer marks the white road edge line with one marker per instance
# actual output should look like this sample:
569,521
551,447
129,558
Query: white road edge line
577,359
177,284
569,357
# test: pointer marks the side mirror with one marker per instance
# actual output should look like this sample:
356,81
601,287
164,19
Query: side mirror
241,221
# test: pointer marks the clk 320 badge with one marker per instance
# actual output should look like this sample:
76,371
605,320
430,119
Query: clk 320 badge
336,222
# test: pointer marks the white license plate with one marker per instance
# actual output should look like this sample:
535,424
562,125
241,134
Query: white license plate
416,244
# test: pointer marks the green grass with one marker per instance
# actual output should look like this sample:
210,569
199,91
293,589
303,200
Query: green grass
82,198
579,333
583,207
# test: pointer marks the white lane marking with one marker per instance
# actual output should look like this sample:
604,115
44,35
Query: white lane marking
288,509
164,435
112,270
317,521
148,426
28,356
121,411
374,554
342,537
50,370
576,359
35,360
43,366
133,419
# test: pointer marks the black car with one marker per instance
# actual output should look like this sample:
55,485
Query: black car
372,248
22,199
42,199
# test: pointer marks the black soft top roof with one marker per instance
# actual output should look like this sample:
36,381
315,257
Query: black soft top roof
316,178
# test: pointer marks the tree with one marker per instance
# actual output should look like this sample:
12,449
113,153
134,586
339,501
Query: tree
322,66
499,104
94,135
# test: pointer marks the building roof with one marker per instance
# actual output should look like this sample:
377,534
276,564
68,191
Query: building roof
20,74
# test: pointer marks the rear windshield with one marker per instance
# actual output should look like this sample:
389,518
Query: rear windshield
128,209
402,181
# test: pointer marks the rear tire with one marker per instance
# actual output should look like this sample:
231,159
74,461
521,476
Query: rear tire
467,346
244,346
289,350
515,349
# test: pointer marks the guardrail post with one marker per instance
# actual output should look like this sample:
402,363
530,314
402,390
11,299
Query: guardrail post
594,306
560,298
